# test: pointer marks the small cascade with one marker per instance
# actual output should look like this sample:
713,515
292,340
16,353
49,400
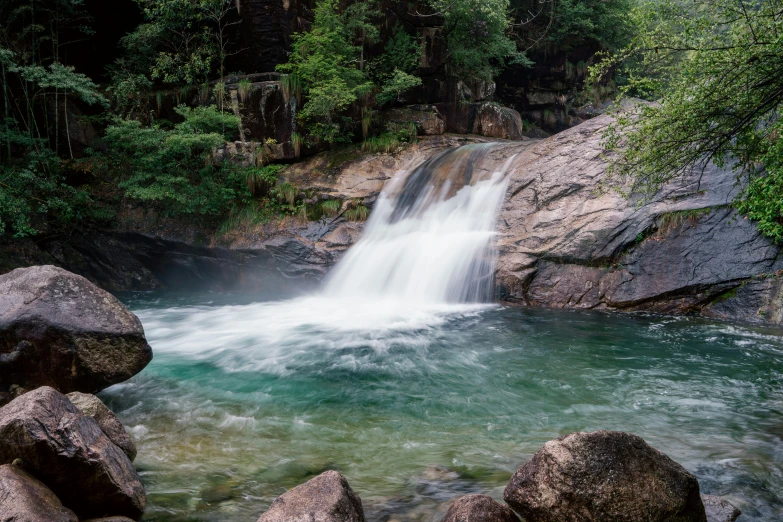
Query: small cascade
429,238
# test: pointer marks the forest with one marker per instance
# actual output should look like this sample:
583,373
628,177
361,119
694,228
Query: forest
105,109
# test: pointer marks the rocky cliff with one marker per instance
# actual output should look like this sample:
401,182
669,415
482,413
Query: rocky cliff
562,241
564,244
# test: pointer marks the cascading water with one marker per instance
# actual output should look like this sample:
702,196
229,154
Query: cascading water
429,239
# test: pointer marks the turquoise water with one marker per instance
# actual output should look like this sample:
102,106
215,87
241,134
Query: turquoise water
416,406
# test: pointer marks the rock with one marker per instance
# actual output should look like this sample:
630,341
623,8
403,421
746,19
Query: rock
683,251
109,519
25,499
485,119
58,329
719,510
5,398
439,473
603,476
426,117
68,451
479,508
92,406
326,498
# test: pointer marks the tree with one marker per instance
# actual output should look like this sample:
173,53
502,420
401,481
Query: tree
36,89
180,40
476,37
714,68
327,63
173,170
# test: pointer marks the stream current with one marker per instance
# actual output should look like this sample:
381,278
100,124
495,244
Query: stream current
401,374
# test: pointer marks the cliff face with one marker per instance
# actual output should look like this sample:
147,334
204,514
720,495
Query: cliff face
686,251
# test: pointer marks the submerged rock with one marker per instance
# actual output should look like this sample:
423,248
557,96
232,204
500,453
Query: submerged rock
92,406
69,453
719,510
58,329
326,498
25,499
603,476
479,508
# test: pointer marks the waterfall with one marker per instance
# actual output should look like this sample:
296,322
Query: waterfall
429,238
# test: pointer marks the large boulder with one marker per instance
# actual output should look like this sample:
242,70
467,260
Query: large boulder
719,509
92,406
426,118
603,476
479,508
25,499
58,329
69,452
326,498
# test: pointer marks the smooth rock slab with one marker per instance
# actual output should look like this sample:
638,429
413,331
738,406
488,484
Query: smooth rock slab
326,498
603,476
57,329
69,452
92,406
719,510
25,499
479,508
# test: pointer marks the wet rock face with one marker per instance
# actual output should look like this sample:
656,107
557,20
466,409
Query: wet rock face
92,406
265,32
564,244
25,499
479,508
326,498
58,329
719,510
603,476
69,453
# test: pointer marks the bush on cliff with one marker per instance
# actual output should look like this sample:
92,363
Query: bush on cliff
714,68
173,169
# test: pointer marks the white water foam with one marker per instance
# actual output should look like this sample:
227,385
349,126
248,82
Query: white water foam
426,257
439,250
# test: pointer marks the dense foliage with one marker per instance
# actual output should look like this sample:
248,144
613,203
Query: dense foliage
342,73
477,34
180,41
330,63
173,169
714,69
36,89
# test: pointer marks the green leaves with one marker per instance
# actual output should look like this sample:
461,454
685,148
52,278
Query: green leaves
762,200
715,67
326,61
398,83
478,45
173,170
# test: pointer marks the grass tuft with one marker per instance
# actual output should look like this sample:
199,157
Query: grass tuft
243,89
357,213
331,207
